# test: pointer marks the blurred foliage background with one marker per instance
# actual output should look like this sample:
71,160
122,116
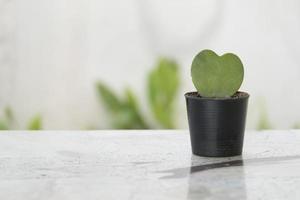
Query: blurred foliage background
162,89
9,122
124,110
95,64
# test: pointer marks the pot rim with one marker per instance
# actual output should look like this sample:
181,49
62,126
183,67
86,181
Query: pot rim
190,96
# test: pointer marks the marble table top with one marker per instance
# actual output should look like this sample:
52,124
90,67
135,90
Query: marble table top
146,165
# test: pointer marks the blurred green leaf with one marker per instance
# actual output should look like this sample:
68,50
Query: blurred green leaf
3,125
35,123
163,83
133,109
125,113
110,100
9,114
296,125
6,122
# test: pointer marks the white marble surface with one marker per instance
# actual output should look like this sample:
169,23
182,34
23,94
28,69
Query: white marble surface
144,165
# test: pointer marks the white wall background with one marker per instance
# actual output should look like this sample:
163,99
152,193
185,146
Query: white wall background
52,52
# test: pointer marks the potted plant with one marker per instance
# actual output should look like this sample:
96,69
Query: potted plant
217,111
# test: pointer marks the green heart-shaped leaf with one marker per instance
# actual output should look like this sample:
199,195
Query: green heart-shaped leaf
217,76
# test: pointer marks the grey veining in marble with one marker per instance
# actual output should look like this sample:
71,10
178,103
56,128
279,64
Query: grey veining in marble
144,165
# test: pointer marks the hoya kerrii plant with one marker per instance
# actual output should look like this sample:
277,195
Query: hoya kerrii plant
217,76
217,111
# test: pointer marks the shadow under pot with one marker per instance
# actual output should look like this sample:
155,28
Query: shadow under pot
217,125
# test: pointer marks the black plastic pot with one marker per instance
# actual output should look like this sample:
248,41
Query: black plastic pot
217,125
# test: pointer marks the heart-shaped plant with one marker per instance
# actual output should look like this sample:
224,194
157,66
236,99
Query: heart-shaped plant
217,76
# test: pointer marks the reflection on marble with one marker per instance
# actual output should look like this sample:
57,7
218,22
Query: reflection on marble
204,185
144,165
